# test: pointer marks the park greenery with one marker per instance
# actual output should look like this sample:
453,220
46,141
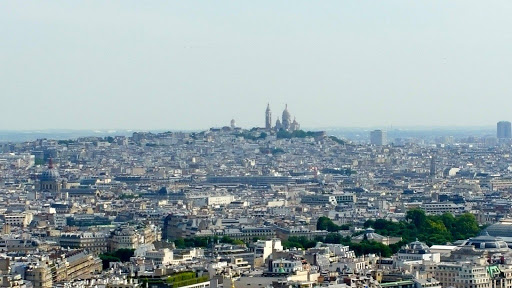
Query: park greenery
365,247
182,243
283,134
337,140
324,223
254,135
431,229
65,142
251,135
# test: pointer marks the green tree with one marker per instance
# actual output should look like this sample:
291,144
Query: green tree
334,238
200,242
324,223
436,232
283,134
431,229
238,242
367,247
345,227
337,140
465,226
417,216
106,259
369,223
124,254
121,255
448,220
226,239
299,134
179,243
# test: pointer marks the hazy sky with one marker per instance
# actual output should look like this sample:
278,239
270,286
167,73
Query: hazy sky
197,64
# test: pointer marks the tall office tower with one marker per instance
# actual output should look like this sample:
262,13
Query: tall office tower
503,130
378,137
268,118
433,165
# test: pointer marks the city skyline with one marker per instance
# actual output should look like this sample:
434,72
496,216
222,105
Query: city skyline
269,144
174,65
268,118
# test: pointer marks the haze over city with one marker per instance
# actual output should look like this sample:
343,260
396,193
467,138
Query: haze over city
182,65
269,144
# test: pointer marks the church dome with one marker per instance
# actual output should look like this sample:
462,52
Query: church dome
286,115
50,174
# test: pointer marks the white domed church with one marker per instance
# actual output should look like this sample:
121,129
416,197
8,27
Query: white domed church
285,123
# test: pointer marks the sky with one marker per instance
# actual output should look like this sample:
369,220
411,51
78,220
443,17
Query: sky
184,65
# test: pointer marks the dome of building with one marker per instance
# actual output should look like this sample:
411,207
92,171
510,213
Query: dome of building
486,242
50,174
417,245
501,229
286,115
369,234
278,124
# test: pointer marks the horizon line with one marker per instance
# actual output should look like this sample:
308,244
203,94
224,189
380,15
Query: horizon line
381,127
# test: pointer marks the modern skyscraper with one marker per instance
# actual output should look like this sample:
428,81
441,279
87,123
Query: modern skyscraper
378,137
503,130
433,165
268,118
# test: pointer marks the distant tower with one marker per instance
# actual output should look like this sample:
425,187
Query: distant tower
433,165
233,124
287,121
378,137
503,130
268,118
